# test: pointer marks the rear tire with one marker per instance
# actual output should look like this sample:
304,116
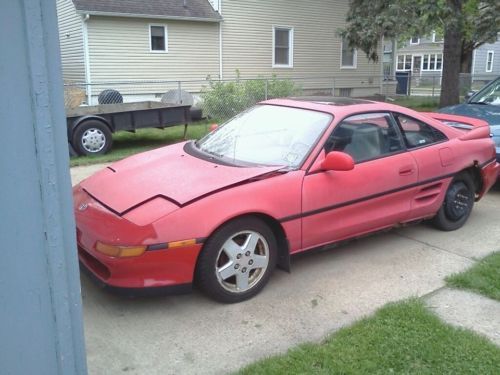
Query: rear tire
237,260
457,204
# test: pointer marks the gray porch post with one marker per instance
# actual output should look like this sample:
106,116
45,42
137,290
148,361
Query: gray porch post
40,303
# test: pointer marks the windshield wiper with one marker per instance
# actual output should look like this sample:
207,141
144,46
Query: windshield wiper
482,103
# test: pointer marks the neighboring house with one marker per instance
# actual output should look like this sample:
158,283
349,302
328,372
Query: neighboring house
486,60
188,40
422,56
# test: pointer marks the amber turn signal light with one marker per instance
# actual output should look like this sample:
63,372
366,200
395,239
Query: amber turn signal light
119,251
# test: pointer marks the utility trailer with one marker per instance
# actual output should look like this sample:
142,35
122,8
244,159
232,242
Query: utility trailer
90,128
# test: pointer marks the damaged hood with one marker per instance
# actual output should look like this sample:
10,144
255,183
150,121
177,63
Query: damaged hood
168,172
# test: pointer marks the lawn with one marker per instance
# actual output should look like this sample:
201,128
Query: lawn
127,143
400,338
418,103
484,277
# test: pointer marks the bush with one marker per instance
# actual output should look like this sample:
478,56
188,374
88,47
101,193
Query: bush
223,100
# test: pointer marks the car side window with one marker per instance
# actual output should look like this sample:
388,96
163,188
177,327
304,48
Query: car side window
417,133
365,137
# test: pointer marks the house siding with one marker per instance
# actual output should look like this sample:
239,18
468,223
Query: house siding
248,41
480,59
71,42
119,49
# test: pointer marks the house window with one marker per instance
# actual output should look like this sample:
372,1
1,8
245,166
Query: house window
489,61
432,62
415,40
404,62
158,38
348,56
283,47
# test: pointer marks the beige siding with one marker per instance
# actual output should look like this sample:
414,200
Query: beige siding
248,33
71,41
119,50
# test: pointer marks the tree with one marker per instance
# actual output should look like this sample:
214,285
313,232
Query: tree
465,25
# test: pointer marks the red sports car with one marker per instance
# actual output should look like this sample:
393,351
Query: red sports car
283,177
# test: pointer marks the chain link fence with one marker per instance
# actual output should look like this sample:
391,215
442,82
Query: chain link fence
222,99
429,85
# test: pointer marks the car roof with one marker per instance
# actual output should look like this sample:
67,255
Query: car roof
336,106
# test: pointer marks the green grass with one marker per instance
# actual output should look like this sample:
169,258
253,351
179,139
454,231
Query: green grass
419,103
126,143
484,277
401,338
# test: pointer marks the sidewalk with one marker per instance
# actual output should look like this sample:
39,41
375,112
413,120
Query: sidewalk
467,310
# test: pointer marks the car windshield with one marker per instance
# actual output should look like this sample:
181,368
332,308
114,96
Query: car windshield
267,135
489,95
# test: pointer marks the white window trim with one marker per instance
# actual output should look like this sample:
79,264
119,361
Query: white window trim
165,31
404,62
492,59
435,55
414,44
354,58
290,47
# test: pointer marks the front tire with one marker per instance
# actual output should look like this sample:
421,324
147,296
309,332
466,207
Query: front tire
457,204
237,260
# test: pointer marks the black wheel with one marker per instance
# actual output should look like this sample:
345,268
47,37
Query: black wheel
110,96
92,137
237,260
457,205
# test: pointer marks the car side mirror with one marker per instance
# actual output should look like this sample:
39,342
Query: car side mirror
469,95
337,161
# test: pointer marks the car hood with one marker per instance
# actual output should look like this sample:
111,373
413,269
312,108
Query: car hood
168,172
489,113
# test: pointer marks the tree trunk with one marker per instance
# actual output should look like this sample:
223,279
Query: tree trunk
466,61
452,56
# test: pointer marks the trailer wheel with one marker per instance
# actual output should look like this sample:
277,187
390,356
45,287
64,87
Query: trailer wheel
92,137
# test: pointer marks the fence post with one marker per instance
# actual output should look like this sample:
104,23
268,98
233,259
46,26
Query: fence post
408,89
88,87
179,94
333,86
267,88
433,84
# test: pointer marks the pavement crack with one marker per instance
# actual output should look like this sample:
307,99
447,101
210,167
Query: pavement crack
435,247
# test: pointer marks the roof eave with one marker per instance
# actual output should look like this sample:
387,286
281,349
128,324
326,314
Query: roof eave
152,16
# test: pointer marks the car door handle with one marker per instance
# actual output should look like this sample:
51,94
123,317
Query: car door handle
406,171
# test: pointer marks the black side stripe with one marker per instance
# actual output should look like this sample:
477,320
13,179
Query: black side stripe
359,200
374,196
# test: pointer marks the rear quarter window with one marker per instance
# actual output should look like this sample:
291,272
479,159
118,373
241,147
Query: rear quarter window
417,133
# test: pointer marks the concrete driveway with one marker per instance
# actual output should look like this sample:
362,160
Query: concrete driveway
191,334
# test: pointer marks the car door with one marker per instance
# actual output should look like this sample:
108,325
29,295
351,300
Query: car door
435,159
375,194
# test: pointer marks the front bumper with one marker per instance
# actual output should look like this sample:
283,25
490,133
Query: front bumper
164,267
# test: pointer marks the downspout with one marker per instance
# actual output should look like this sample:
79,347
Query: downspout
220,42
381,59
86,59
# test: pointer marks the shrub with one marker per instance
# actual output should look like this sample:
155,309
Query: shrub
223,100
